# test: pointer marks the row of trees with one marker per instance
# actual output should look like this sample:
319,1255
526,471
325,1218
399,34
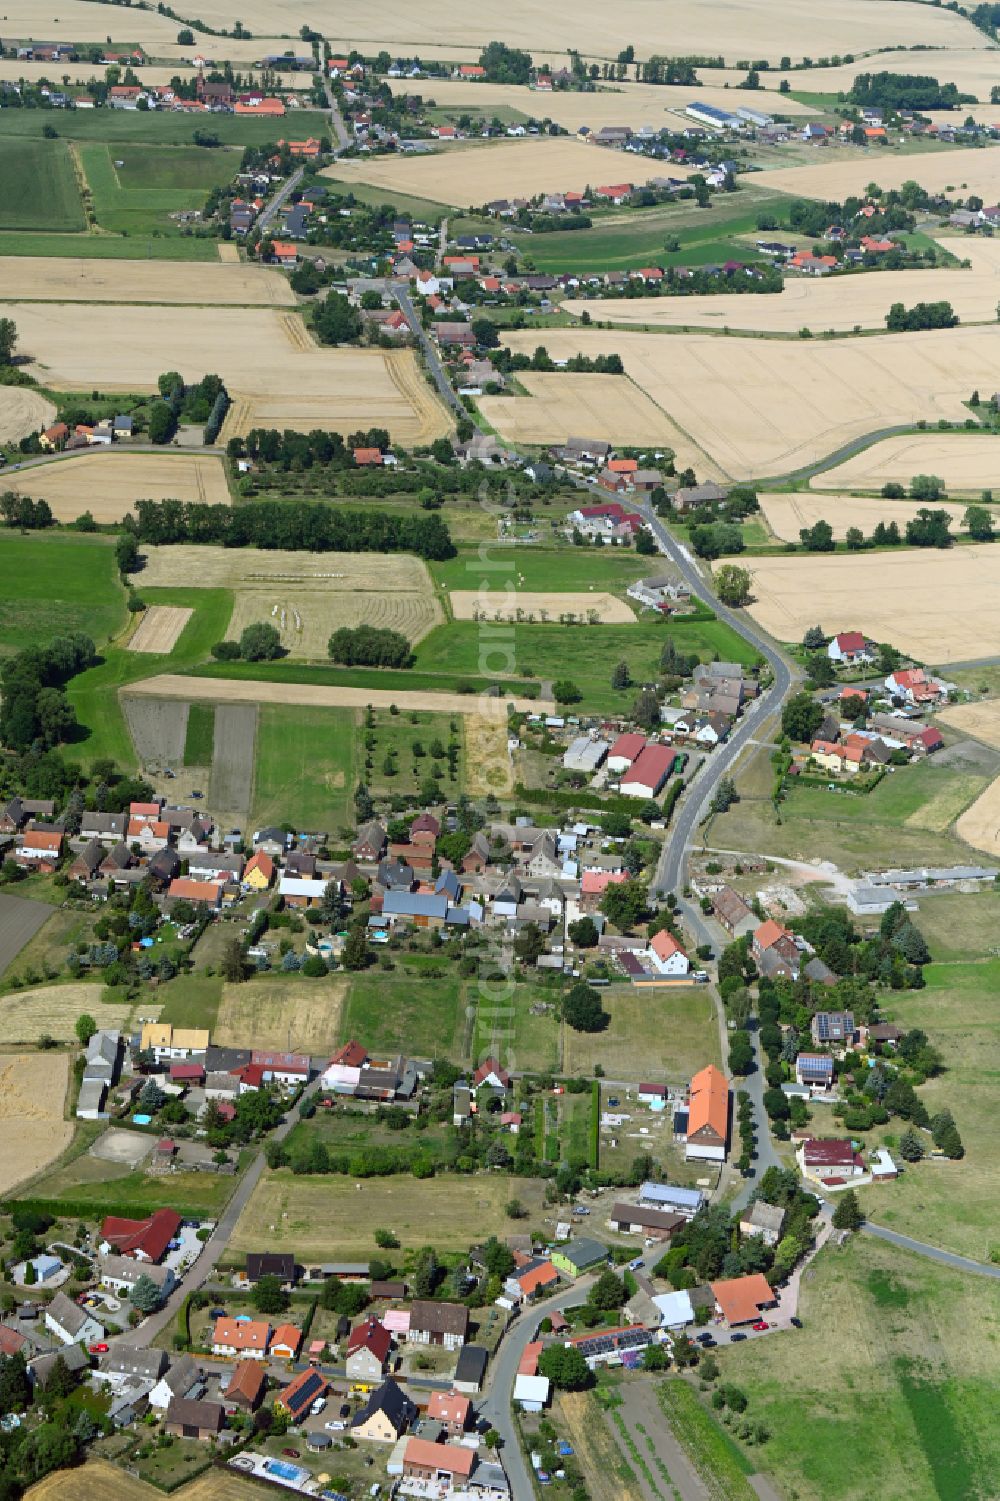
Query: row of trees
901,319
299,526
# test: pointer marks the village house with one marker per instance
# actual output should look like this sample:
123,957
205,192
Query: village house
385,1417
708,1116
145,1240
246,1388
37,850
444,1324
70,1323
732,912
829,1161
851,647
775,951
740,1299
815,1071
764,1220
189,1418
247,1338
833,1028
301,1392
368,1350
451,1410
446,1465
666,955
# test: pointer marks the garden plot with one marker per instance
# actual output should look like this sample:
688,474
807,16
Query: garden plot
32,1129
158,728
108,481
275,372
520,604
52,1010
842,303
22,412
937,606
752,403
967,463
20,920
57,279
159,628
787,514
305,596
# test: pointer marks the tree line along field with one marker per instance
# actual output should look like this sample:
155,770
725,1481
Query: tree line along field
965,461
38,187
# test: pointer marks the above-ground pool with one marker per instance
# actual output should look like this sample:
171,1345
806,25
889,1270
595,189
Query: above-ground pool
280,1467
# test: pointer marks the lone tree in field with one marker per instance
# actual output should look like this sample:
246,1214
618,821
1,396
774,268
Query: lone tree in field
847,1215
260,643
582,1009
732,584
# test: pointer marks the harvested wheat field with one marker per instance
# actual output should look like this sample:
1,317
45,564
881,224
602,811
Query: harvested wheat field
752,404
969,169
159,628
938,607
52,279
299,1016
32,1129
98,1480
305,596
842,303
275,372
489,768
737,28
560,403
473,604
229,253
22,412
972,67
787,514
501,169
980,824
967,463
27,1015
107,482
46,19
246,691
632,104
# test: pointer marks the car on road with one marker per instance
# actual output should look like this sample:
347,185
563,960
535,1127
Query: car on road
734,1339
100,1349
760,1324
634,1266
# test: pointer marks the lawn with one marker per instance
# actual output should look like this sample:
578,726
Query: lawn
199,736
200,1195
50,585
899,1384
420,209
586,653
191,1000
570,568
408,1011
94,693
38,188
332,1219
153,182
955,1205
305,772
653,1034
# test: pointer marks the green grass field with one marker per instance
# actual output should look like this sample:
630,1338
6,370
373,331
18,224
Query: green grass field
421,209
109,247
634,238
893,1375
200,735
191,1000
38,187
305,767
511,1031
571,568
161,128
95,692
408,1011
57,583
153,182
587,654
663,1034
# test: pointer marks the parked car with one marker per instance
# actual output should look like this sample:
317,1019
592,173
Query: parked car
317,1406
634,1266
760,1324
99,1349
735,1338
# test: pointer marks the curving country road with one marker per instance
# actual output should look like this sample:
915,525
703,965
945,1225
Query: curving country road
670,871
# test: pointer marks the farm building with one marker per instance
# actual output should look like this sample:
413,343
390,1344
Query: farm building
649,771
708,1116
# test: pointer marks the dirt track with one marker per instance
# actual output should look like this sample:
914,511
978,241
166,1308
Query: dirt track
237,691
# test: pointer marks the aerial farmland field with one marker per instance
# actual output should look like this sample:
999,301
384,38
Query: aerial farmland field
22,411
38,188
751,403
55,584
787,514
937,606
53,279
276,374
561,403
138,196
967,463
964,170
107,482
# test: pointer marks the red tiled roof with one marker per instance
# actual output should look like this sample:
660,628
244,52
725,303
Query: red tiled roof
151,1236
